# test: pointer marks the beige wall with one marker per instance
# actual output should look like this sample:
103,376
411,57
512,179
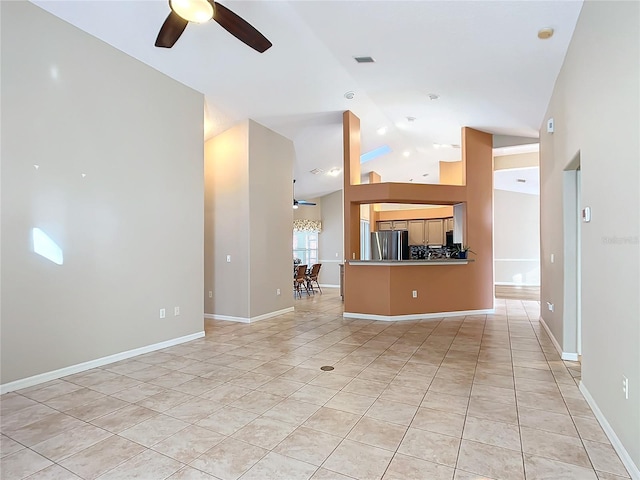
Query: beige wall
226,223
416,214
130,230
331,239
309,212
516,238
271,217
248,216
595,105
452,173
518,160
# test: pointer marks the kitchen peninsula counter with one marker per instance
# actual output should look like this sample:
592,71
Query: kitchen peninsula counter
406,263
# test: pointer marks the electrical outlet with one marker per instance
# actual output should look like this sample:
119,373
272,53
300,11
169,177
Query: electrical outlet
625,387
228,258
553,258
163,313
277,291
414,294
210,294
176,311
550,306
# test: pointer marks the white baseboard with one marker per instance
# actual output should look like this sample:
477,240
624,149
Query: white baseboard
98,362
229,318
572,356
631,467
513,284
328,285
418,316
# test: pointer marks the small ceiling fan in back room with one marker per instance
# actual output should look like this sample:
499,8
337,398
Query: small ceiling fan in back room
298,203
200,11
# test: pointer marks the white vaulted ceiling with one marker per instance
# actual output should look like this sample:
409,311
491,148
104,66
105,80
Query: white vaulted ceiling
483,59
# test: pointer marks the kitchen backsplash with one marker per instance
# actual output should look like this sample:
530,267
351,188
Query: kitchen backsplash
420,252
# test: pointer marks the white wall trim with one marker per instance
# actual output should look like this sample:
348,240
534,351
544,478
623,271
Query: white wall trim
330,261
564,355
327,285
514,284
516,260
418,316
229,318
98,362
631,467
574,357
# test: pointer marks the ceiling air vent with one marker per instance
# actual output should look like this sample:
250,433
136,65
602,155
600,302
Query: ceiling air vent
364,59
521,180
316,171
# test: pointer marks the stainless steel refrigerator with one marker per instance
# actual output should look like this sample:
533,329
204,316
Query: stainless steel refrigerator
390,245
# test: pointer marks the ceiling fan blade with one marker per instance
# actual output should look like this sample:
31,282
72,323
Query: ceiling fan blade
304,202
171,30
239,28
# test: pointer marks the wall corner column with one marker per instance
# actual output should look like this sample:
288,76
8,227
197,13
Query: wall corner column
351,176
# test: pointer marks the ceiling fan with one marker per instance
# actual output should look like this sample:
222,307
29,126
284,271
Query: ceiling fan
303,203
200,11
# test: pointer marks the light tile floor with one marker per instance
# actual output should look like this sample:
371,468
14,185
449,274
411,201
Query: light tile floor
476,397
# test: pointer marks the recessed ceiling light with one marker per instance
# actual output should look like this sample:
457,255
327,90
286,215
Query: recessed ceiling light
406,153
545,33
316,171
364,59
382,130
433,96
334,172
349,95
36,167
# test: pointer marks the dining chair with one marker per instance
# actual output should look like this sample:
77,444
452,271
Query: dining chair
313,276
300,280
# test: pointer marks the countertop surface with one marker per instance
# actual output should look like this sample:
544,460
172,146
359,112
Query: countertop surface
404,263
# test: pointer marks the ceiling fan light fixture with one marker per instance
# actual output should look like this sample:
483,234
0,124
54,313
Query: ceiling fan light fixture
196,11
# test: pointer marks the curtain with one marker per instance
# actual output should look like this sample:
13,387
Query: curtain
310,226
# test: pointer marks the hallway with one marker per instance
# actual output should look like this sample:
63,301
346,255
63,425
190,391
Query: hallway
476,397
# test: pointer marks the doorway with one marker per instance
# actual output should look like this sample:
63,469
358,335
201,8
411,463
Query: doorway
572,213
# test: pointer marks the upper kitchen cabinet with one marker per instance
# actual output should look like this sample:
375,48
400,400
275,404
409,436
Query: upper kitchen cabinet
427,232
435,232
400,225
392,225
416,232
448,227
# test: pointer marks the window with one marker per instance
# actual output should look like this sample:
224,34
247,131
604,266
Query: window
305,247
